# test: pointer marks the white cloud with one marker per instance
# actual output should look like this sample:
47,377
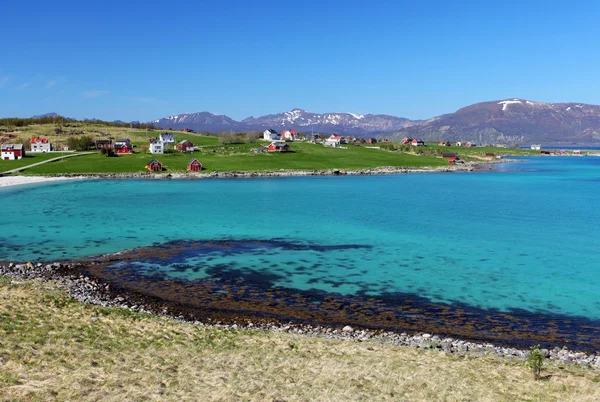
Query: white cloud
94,93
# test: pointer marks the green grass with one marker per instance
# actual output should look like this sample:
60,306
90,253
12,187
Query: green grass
215,157
29,159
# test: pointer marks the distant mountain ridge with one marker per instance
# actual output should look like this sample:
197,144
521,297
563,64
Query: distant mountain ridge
295,119
508,121
512,121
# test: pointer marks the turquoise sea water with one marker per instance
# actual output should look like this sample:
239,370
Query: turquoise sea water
525,236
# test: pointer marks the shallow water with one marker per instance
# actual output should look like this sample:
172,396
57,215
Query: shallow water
524,237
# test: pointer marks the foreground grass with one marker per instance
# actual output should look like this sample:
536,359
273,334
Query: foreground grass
53,348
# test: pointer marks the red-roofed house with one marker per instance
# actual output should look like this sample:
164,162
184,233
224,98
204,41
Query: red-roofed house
40,144
333,141
406,140
290,135
417,143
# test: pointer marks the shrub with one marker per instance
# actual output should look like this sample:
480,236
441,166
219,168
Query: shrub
535,361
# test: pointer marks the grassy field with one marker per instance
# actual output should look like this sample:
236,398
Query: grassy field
54,348
217,157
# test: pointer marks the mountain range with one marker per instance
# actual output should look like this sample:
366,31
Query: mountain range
509,121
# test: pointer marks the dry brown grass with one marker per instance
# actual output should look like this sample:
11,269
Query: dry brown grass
52,348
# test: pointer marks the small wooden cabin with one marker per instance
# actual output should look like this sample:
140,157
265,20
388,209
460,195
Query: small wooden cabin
450,156
185,146
154,166
194,165
279,147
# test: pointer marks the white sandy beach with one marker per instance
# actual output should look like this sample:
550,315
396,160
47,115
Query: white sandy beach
20,180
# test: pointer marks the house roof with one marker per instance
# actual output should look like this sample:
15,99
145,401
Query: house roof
194,160
39,139
155,141
153,161
10,147
184,141
123,140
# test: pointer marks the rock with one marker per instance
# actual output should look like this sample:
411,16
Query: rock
347,328
426,336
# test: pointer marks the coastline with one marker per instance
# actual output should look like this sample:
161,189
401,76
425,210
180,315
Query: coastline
86,288
9,181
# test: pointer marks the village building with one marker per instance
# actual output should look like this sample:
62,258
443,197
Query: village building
194,165
290,135
104,144
449,155
445,144
65,148
123,146
12,152
185,146
372,140
167,138
333,141
406,140
459,144
271,135
577,152
470,144
40,144
362,141
157,147
278,147
154,166
417,143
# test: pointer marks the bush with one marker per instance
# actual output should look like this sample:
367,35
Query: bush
535,361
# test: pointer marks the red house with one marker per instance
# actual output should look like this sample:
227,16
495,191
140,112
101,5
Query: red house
185,146
279,147
406,140
154,166
450,156
11,152
123,146
194,165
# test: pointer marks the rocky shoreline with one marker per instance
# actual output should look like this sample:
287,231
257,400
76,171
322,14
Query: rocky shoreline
387,170
90,290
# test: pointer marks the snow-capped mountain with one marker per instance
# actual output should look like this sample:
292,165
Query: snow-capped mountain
296,119
512,121
200,122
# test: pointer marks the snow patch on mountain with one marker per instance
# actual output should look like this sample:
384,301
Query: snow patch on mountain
508,102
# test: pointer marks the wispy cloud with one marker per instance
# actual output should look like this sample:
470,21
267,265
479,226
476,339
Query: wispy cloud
51,83
24,85
141,99
94,93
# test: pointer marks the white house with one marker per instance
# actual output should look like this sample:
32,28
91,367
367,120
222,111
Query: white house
12,152
333,141
157,146
167,138
271,135
290,135
40,144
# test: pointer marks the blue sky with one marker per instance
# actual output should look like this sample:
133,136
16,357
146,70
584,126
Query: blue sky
134,60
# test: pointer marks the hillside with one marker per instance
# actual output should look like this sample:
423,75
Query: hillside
513,121
55,348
